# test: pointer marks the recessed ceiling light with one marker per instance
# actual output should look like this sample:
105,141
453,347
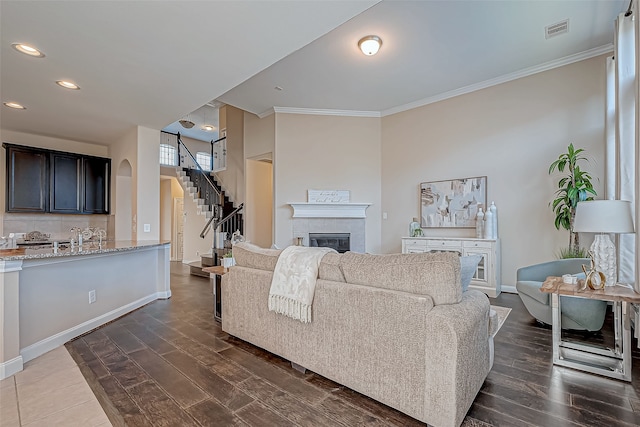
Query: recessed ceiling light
370,45
15,105
27,50
208,128
67,84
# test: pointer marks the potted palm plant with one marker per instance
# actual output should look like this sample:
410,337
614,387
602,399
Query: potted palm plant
574,186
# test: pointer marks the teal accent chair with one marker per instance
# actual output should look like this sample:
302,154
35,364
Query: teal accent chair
577,313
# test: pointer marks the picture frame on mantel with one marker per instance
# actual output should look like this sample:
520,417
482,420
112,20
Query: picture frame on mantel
452,203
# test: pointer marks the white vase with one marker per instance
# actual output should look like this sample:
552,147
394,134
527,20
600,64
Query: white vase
494,211
228,262
480,224
488,225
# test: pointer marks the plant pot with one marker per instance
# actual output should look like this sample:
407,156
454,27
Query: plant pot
228,262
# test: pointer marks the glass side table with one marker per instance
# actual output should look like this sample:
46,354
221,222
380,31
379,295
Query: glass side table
610,362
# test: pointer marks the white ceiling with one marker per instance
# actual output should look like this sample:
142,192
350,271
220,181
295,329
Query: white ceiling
152,63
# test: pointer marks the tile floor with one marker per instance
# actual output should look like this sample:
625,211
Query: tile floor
50,391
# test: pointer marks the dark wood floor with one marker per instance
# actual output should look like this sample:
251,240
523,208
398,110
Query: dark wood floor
169,363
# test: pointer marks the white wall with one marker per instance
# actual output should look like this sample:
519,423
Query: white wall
166,208
258,211
194,246
122,214
259,135
510,133
124,189
259,144
147,183
326,153
232,179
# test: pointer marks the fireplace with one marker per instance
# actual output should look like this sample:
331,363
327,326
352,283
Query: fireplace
329,219
338,241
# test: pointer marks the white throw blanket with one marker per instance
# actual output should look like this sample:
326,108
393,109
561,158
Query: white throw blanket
294,281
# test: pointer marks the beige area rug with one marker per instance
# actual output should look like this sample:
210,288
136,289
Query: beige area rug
503,313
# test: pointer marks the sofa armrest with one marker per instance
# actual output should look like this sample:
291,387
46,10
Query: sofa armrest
540,272
458,356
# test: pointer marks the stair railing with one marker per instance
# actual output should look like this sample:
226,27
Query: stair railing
205,174
233,215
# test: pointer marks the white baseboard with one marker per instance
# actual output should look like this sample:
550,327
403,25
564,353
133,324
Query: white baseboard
509,289
11,367
55,341
164,295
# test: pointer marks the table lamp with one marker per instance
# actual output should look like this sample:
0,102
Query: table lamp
604,217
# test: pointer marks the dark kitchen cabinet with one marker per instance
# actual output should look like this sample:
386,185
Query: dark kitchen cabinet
96,172
65,184
40,180
27,180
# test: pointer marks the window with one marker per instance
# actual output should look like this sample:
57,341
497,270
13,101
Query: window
204,160
168,155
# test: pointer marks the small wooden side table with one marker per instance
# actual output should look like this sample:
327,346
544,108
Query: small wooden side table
216,273
611,362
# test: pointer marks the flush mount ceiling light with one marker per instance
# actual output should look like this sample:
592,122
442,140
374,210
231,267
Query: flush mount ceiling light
208,128
27,50
370,45
15,105
186,123
67,84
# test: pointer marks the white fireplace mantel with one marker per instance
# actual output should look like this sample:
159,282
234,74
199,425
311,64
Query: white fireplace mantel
329,210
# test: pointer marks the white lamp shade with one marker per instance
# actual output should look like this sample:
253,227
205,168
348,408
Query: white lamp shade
603,216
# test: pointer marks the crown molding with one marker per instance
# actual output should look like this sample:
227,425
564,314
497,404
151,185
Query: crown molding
320,112
266,113
587,54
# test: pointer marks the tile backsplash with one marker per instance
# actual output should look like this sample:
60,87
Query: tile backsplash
57,226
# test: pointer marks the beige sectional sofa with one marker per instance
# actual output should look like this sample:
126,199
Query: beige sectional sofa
396,328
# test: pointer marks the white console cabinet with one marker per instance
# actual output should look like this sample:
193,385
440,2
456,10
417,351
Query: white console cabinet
487,275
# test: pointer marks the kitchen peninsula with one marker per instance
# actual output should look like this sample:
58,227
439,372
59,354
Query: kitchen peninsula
50,296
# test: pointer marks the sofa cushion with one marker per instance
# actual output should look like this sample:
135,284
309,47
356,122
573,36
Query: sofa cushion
252,256
468,267
330,268
433,274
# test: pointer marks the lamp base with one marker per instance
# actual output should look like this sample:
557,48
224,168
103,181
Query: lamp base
604,256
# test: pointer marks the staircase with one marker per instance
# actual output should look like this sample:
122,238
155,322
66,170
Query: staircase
213,204
209,196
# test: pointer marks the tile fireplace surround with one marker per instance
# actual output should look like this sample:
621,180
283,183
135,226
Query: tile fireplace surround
330,218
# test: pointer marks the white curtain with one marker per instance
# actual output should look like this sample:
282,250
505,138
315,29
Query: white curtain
621,162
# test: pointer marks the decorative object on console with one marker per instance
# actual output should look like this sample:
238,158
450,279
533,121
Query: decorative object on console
480,224
452,203
494,211
488,224
414,227
603,217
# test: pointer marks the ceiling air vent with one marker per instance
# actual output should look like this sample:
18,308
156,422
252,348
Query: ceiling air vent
556,29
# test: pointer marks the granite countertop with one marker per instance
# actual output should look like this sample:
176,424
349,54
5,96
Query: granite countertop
89,248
